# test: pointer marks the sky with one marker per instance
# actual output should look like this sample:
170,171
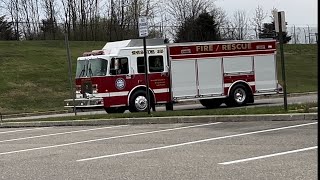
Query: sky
297,12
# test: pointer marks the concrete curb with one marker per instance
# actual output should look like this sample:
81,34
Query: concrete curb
6,116
281,95
167,120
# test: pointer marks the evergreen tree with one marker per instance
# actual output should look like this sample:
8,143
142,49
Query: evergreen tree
6,30
202,28
50,29
268,31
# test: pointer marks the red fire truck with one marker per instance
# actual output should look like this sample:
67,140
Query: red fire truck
230,72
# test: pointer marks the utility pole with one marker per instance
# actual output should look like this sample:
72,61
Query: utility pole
280,26
70,73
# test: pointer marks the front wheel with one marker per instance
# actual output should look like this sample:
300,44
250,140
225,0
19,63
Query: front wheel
238,96
138,102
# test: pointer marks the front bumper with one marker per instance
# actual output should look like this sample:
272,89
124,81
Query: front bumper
84,103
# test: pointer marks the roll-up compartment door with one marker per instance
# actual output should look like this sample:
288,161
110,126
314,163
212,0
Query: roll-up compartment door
184,78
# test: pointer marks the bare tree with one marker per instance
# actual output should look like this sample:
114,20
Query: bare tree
12,6
88,19
240,25
181,11
49,23
223,23
34,16
73,16
93,17
125,15
258,19
25,13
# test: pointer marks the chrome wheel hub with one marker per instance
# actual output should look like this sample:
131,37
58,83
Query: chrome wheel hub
239,95
141,103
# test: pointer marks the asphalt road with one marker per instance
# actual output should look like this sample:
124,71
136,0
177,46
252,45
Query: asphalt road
229,150
258,103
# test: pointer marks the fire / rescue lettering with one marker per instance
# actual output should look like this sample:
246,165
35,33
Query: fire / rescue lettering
233,47
204,48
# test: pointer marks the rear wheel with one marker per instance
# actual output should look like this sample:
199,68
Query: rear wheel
238,96
169,106
211,103
138,102
112,110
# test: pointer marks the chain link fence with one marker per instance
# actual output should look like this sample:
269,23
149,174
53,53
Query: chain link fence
303,35
106,32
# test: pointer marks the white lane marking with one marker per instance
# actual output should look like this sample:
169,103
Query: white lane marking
108,138
21,130
194,142
270,155
61,133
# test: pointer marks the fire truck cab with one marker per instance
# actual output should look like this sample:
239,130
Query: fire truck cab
230,72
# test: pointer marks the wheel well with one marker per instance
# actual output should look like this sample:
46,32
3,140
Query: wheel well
246,85
142,88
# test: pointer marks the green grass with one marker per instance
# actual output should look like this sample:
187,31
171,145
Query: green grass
294,108
301,67
34,74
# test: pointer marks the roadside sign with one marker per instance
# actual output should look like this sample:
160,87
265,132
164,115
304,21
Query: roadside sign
277,23
143,32
143,26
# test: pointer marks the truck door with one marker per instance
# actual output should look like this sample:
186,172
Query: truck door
158,76
119,82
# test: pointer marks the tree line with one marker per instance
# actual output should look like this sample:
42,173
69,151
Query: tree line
111,20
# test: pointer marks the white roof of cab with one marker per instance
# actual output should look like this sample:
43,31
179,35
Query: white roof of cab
112,48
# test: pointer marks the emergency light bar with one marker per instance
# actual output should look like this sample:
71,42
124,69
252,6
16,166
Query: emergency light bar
94,53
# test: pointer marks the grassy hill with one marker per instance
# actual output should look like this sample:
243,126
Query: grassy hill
301,67
34,74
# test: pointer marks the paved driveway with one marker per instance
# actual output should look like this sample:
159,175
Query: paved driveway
228,150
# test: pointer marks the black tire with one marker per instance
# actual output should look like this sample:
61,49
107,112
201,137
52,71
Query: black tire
138,102
211,103
112,110
238,96
169,106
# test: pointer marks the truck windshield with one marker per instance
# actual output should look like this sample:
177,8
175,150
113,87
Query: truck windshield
81,68
97,67
91,67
